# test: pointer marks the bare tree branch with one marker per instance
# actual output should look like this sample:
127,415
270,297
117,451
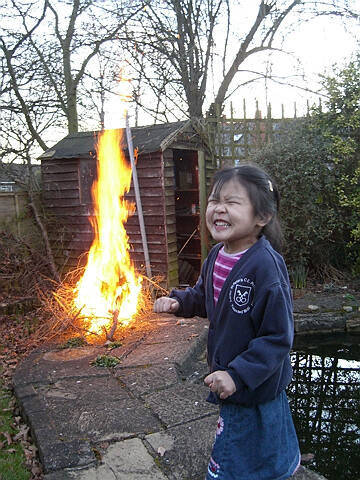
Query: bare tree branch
177,39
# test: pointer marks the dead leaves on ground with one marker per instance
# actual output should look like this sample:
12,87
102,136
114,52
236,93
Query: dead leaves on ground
23,438
10,355
20,436
7,437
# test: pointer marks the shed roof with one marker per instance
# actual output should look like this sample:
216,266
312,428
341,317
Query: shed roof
146,139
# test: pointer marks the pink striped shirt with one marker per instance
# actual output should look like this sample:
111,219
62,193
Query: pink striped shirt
223,265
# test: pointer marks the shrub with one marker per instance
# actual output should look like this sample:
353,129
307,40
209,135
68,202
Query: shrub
316,163
312,220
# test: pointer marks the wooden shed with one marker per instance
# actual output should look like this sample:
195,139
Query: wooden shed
173,174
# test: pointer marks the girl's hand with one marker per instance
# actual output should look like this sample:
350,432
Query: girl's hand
166,305
220,382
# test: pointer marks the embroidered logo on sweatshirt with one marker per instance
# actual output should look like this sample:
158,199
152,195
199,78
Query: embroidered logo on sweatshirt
241,295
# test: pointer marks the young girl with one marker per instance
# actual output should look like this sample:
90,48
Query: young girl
244,291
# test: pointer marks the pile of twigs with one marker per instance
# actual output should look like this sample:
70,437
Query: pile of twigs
25,280
62,319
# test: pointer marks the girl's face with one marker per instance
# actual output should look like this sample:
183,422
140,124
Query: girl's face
230,218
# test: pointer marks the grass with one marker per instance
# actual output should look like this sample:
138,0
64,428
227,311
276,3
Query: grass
12,458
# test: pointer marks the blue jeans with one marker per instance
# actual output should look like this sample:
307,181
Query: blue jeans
255,443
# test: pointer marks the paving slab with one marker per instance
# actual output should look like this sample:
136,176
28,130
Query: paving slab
155,353
147,378
184,450
83,390
180,404
32,370
183,329
51,363
319,322
307,474
127,460
73,454
146,419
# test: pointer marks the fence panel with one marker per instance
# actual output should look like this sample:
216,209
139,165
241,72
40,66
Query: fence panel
233,140
12,206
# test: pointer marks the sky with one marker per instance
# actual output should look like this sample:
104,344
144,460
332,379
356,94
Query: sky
319,46
314,48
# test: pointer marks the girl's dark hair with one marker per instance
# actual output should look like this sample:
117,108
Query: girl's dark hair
263,194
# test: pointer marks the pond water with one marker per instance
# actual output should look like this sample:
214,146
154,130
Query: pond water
325,401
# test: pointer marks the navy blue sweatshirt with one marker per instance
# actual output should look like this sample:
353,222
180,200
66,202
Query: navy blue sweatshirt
251,327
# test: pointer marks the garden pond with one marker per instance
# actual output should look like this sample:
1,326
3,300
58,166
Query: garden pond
325,401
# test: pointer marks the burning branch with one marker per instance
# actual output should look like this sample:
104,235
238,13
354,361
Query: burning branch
110,335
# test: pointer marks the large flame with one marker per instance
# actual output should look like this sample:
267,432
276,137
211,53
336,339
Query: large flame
109,285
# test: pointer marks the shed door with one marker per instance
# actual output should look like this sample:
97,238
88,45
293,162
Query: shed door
187,213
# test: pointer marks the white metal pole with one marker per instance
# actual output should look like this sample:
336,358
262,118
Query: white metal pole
138,198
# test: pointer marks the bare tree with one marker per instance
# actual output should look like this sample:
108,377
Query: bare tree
18,73
46,53
172,48
90,25
177,41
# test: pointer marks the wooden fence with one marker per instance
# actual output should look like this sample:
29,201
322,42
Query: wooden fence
232,140
12,207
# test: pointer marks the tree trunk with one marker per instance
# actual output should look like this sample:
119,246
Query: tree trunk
72,115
